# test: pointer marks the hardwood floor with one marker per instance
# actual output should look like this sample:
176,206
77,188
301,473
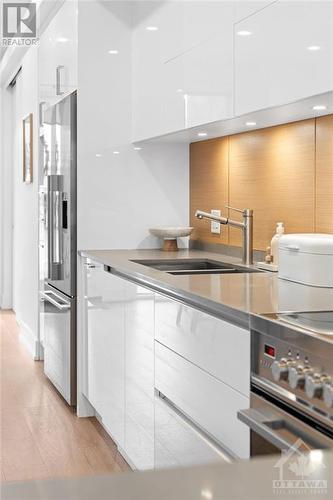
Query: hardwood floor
41,437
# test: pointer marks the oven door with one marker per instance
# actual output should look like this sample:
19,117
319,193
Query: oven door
274,428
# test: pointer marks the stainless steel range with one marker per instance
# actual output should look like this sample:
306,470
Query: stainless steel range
291,381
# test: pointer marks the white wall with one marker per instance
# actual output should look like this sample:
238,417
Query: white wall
25,207
119,195
6,176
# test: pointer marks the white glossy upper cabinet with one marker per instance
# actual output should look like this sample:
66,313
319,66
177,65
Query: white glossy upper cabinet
245,8
139,378
105,348
287,55
58,55
157,38
182,65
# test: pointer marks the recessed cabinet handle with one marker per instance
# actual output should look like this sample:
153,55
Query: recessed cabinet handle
58,80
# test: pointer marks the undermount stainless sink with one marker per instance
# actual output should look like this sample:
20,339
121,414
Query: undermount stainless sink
194,266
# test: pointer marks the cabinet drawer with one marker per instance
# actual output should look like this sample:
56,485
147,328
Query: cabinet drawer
206,401
178,443
210,343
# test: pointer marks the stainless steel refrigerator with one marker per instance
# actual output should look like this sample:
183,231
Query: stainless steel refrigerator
58,244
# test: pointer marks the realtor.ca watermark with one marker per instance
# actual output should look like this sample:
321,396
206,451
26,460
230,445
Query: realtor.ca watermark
19,24
301,471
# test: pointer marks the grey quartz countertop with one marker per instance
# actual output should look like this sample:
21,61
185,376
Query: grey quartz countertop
249,480
231,296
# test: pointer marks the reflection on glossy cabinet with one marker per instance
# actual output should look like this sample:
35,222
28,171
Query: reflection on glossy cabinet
287,56
139,381
58,55
105,385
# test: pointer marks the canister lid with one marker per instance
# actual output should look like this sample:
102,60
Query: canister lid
308,243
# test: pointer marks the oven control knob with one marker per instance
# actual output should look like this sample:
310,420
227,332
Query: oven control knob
313,385
296,376
280,369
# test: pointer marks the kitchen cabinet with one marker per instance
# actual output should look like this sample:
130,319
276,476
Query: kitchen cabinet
245,8
178,443
210,343
209,403
287,56
120,361
58,55
160,374
105,348
139,375
183,73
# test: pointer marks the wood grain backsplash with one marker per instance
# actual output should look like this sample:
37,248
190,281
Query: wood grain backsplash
283,173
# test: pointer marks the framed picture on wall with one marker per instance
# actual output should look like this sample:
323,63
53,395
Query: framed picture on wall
28,149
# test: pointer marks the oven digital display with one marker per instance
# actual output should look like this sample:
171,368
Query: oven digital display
270,351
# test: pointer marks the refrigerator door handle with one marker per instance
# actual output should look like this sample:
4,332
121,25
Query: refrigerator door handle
55,236
49,297
56,229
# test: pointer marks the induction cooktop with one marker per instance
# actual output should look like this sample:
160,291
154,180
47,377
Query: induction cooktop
313,321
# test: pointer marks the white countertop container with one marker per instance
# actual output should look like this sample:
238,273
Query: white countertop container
307,259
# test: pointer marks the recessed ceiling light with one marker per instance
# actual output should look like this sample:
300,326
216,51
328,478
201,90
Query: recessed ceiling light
137,148
202,134
151,28
180,90
250,124
62,39
319,107
113,52
313,48
98,155
244,33
116,152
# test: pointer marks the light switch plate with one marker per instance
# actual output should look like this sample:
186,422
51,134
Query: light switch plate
215,227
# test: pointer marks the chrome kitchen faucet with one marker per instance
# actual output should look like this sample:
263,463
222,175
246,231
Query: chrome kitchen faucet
246,226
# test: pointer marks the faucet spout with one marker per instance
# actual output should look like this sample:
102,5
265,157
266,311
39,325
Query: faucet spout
215,218
246,226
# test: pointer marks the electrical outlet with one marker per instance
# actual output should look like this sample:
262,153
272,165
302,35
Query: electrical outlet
215,227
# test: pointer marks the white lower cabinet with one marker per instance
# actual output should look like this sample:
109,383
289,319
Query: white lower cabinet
209,403
178,443
210,343
105,385
195,418
139,376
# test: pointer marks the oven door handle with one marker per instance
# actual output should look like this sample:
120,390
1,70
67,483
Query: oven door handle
268,426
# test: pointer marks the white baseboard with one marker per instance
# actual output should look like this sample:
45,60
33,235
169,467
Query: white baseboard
29,340
5,302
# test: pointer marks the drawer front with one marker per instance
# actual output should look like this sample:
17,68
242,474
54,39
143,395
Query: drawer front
206,401
179,444
216,346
